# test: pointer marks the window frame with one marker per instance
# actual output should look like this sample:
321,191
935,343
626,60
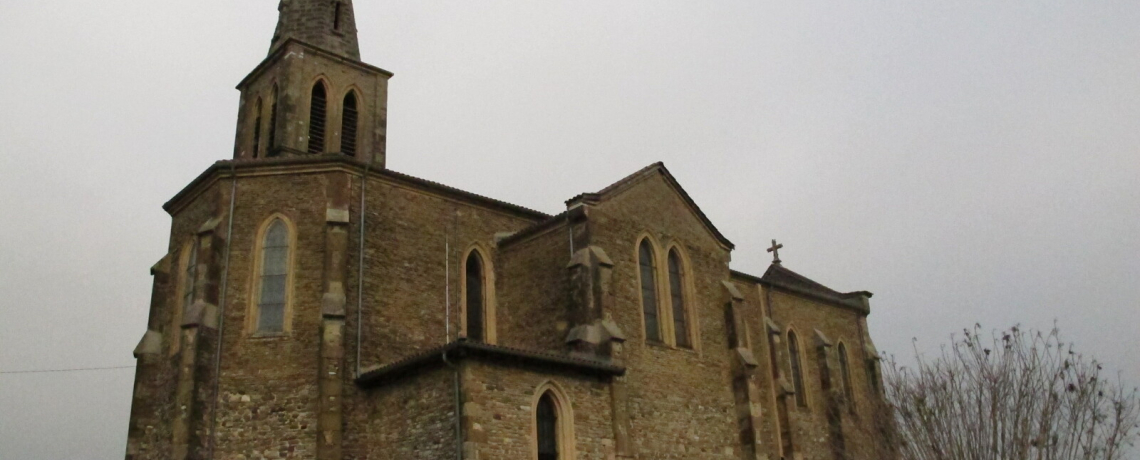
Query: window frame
564,416
662,335
490,335
356,95
253,315
845,375
324,144
796,367
687,300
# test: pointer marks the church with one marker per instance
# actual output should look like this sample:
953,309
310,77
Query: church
314,304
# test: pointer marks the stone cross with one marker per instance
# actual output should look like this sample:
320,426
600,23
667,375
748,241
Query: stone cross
775,250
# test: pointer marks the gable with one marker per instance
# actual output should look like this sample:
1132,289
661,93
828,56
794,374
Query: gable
653,187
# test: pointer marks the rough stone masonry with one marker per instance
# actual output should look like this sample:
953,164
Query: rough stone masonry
315,304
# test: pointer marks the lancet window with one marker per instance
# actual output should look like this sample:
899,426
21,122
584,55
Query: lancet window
318,110
797,368
348,120
475,300
677,296
648,270
273,282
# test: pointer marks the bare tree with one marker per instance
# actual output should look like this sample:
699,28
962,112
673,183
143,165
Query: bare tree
1015,395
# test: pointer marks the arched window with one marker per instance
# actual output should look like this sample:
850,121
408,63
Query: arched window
272,124
318,109
845,370
475,296
348,122
338,10
677,294
649,291
273,281
546,419
257,129
797,368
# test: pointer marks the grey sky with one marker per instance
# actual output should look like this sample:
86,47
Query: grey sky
965,161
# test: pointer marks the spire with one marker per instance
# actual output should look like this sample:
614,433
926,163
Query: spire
326,24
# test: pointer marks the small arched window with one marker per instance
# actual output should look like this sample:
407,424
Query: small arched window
845,370
677,294
475,296
546,420
272,124
338,10
273,282
318,110
348,121
649,291
797,368
257,129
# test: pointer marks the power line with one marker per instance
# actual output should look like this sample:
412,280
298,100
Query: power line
81,369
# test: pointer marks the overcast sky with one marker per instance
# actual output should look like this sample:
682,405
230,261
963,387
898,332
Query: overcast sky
965,161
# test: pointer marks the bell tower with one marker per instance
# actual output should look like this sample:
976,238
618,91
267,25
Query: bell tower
312,95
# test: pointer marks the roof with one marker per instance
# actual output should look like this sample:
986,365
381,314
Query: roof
781,277
343,161
655,168
463,349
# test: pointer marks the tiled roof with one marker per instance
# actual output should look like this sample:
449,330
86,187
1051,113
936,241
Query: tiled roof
463,349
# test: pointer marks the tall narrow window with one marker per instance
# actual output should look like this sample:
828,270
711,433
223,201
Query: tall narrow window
274,278
547,422
872,376
797,368
676,291
272,124
348,122
257,129
318,108
338,9
649,291
475,297
845,370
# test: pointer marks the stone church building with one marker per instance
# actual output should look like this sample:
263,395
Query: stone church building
315,304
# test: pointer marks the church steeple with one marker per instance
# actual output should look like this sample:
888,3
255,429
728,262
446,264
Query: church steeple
326,24
312,95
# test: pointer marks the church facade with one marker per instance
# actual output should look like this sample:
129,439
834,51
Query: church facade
315,304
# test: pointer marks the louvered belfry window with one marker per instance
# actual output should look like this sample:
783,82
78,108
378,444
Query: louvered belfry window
274,276
318,111
474,297
677,294
649,292
348,122
547,421
272,125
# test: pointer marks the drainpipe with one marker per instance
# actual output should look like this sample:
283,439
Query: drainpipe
458,410
360,270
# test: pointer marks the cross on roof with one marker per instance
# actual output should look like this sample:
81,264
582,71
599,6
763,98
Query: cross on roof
775,250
